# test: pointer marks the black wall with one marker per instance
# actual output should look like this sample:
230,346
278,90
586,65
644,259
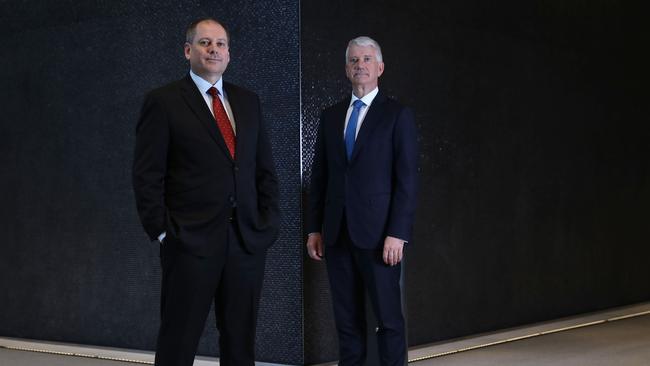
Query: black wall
75,264
535,189
535,160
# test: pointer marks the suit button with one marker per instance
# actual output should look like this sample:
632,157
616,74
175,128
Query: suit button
236,168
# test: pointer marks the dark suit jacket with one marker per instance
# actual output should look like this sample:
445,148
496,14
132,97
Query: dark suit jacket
377,188
185,181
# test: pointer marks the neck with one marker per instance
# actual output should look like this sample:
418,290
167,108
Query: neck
210,78
361,91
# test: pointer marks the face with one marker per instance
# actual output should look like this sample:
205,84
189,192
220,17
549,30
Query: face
362,67
208,53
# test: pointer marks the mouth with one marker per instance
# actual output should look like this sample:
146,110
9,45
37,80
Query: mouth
213,60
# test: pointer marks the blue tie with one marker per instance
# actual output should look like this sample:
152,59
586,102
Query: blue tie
351,130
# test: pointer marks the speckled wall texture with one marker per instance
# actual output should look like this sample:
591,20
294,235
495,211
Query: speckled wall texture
535,170
534,165
76,265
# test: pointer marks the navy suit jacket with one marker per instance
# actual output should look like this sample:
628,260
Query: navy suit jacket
186,183
377,188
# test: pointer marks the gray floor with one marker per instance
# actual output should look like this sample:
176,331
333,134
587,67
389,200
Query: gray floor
9,357
617,343
620,343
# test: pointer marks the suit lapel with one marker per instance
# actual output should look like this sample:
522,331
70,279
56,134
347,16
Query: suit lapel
339,126
195,101
370,122
237,106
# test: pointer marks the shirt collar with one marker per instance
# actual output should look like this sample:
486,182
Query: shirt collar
368,98
203,85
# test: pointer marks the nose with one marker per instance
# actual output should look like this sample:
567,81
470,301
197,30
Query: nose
212,49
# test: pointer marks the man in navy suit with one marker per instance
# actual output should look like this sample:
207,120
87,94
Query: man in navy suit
361,206
206,189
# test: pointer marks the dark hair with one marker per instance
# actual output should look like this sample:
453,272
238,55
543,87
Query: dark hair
191,29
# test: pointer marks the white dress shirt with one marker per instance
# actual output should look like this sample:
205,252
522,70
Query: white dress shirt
367,100
203,89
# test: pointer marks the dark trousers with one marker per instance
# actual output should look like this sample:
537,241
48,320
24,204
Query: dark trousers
353,271
232,278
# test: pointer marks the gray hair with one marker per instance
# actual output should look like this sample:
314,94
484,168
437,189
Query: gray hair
364,41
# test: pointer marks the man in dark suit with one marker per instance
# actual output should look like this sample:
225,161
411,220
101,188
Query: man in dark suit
206,188
361,206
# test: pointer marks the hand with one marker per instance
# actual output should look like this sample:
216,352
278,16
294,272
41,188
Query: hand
161,237
393,250
315,246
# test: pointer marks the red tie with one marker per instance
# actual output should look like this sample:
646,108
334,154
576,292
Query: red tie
222,121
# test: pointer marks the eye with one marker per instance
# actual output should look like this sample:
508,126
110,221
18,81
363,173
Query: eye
353,60
367,59
204,42
221,44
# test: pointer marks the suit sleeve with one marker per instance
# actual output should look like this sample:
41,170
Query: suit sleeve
266,178
318,182
405,168
150,164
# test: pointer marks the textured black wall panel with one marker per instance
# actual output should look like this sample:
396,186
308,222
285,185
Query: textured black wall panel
535,162
76,264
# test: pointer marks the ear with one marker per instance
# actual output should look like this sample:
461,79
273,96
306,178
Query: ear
186,49
380,68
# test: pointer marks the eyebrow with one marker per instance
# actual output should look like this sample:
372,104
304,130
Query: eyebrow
209,39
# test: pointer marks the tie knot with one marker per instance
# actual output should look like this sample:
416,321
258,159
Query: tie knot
358,104
213,91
